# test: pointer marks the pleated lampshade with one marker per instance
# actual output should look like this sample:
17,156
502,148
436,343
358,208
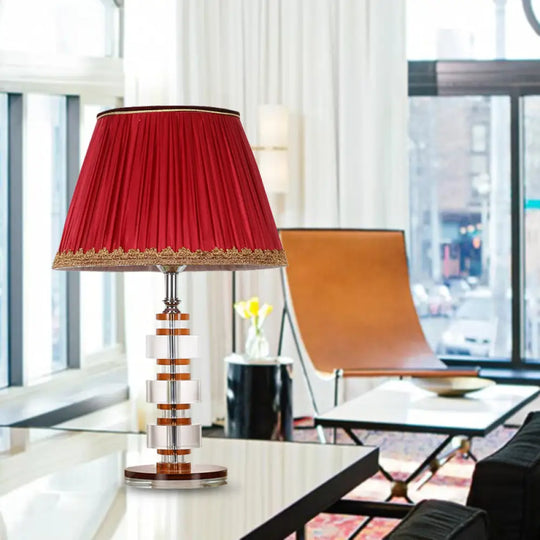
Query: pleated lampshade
169,186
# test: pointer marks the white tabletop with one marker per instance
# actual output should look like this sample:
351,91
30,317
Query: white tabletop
67,484
402,406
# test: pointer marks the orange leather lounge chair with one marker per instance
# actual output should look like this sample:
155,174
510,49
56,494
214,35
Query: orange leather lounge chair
352,303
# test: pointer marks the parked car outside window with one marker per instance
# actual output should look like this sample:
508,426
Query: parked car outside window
420,299
440,301
473,328
458,287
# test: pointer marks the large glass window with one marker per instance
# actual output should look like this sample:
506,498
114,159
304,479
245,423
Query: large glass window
44,34
531,169
99,304
459,151
469,29
83,28
3,241
98,308
45,307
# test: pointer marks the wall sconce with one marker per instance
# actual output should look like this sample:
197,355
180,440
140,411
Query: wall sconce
272,153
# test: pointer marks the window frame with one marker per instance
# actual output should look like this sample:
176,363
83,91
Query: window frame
14,241
514,79
73,285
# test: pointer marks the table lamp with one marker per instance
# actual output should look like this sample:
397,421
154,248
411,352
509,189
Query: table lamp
170,189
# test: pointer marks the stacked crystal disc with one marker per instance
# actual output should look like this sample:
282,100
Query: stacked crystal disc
173,392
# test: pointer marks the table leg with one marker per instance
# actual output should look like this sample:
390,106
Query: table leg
320,433
337,374
430,460
436,463
359,442
353,436
468,453
400,487
360,528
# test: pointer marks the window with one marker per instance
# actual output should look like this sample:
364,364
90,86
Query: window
502,234
460,227
44,196
83,28
98,289
479,138
3,241
531,165
99,306
465,29
475,238
45,308
52,301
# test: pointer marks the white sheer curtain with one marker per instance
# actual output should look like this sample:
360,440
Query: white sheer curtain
340,68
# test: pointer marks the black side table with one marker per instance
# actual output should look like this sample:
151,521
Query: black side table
259,398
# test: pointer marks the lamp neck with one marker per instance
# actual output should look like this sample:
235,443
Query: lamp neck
171,299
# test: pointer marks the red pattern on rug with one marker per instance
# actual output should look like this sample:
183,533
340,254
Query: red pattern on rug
400,454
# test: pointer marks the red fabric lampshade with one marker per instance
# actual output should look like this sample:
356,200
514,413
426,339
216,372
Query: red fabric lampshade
169,186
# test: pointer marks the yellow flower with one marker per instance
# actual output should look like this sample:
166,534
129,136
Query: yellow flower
253,306
265,310
251,309
242,309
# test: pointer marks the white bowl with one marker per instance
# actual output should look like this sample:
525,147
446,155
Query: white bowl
452,386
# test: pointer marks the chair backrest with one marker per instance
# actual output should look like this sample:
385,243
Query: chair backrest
352,301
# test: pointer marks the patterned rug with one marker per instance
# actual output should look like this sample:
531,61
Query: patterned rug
400,454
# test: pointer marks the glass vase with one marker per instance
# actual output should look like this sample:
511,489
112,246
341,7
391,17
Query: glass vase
257,346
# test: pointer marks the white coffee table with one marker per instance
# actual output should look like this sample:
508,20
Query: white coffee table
401,406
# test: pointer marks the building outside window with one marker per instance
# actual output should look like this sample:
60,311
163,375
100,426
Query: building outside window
457,252
531,171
